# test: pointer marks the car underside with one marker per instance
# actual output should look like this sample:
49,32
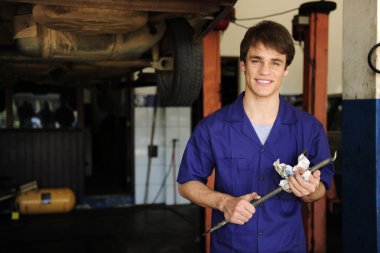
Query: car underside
95,41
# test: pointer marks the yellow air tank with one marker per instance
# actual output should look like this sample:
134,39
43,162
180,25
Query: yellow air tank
59,200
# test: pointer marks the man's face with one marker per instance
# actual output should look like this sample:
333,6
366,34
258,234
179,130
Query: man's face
264,69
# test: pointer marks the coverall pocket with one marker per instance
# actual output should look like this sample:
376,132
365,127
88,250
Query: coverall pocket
244,177
232,176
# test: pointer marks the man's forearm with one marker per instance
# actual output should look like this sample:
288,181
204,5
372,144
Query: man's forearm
200,194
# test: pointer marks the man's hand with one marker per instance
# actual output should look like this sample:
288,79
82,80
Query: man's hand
310,190
236,210
300,187
239,210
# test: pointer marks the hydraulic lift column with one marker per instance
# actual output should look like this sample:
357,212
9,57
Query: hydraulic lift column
212,99
311,27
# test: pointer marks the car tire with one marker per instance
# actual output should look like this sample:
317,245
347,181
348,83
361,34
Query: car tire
182,85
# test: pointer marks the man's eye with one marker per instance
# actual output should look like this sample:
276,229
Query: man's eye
276,63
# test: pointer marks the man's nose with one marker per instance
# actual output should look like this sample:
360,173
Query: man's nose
264,68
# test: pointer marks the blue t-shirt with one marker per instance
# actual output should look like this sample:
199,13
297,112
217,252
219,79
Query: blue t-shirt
227,141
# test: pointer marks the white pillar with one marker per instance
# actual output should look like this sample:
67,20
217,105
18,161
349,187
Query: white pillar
361,107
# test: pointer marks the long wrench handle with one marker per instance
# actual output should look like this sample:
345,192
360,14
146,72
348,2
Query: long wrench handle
273,193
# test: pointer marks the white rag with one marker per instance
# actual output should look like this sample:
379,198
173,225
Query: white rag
286,170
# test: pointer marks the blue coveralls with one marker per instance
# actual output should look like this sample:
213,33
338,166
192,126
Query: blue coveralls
227,141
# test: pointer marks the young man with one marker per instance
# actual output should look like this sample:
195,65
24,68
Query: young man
242,141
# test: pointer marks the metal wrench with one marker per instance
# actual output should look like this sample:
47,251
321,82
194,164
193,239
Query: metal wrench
274,192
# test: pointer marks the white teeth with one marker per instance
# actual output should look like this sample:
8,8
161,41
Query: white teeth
263,81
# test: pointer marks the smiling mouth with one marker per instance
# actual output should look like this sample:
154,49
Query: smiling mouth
263,82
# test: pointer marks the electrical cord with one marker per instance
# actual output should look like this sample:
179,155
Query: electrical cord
171,166
163,182
371,65
149,151
233,21
240,25
267,16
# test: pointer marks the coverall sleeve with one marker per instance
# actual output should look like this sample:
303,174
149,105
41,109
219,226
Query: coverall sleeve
197,162
319,151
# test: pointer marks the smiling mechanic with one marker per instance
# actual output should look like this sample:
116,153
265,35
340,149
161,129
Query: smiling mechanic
242,140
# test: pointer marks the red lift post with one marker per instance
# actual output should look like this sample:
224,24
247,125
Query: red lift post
212,99
311,27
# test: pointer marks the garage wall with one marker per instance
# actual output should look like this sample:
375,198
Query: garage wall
54,158
171,123
292,84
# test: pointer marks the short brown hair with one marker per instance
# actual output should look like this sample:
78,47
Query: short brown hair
271,34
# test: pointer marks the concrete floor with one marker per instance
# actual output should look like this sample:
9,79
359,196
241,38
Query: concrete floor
134,229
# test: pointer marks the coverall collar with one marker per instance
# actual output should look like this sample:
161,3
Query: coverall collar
237,114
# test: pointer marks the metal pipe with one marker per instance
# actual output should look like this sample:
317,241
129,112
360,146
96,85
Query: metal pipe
274,192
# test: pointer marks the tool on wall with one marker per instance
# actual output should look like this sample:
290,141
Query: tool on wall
372,59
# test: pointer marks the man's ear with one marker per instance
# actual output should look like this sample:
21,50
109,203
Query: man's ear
286,71
242,67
